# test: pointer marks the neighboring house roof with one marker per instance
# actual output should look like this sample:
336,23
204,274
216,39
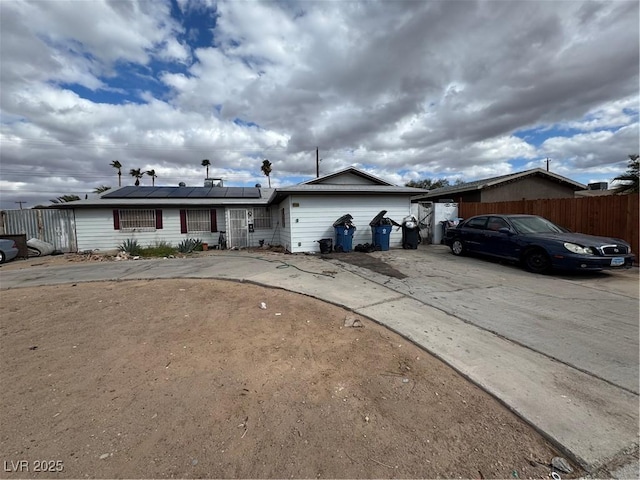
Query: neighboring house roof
497,181
595,193
335,177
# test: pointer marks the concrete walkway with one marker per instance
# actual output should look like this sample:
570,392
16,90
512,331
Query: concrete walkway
593,421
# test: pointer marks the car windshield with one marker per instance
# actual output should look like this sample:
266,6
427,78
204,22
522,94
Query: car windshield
535,225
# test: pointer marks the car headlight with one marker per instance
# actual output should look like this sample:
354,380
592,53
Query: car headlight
572,247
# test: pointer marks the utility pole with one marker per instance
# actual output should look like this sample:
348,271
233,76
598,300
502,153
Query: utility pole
547,164
317,163
20,204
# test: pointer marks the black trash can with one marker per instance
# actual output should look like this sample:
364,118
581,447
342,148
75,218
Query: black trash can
410,233
326,244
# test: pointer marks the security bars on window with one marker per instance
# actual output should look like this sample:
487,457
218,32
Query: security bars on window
137,219
198,221
261,218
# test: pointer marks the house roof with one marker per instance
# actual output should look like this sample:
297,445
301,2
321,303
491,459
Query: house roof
348,181
306,189
183,192
332,178
500,180
176,196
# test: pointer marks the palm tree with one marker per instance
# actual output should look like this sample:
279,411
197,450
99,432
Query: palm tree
101,189
65,199
152,174
630,179
206,163
118,165
135,172
266,169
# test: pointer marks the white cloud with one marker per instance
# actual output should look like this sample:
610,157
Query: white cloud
427,89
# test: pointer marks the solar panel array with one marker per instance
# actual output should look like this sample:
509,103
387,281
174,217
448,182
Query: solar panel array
184,192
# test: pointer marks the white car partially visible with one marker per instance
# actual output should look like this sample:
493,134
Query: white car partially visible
8,250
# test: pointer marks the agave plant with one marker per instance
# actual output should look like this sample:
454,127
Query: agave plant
189,245
130,247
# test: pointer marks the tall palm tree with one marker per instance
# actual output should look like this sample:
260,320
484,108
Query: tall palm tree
266,169
116,164
152,174
135,172
101,189
630,180
206,163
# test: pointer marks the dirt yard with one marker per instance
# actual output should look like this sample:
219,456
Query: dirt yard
193,379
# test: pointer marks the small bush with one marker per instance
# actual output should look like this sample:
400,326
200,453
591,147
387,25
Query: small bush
189,245
130,247
160,249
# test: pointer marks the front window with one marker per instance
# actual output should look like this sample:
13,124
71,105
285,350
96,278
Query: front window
137,219
535,225
198,221
261,218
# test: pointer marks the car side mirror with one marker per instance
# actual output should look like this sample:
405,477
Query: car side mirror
505,230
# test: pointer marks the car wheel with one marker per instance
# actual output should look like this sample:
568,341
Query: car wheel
457,248
2,257
537,261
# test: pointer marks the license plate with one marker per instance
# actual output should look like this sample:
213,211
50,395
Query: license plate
617,261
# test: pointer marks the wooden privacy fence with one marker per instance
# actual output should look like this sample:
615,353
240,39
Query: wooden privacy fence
610,216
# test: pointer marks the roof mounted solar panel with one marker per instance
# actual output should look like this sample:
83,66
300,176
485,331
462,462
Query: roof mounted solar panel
120,193
161,192
142,192
180,192
217,192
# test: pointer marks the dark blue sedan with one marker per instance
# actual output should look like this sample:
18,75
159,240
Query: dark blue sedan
537,243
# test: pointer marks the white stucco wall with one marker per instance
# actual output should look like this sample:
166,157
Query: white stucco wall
312,219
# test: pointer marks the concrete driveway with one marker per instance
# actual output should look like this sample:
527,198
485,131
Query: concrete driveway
587,321
561,351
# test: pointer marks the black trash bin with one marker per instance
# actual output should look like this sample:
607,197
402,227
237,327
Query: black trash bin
326,244
410,233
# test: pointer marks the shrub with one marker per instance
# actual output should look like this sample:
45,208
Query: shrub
130,247
189,245
159,249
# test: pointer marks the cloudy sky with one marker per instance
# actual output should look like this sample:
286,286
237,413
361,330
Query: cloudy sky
405,90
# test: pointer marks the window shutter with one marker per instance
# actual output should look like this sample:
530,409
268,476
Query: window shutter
116,220
158,219
183,221
214,220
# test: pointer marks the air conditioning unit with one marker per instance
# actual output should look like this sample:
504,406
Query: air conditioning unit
213,182
598,186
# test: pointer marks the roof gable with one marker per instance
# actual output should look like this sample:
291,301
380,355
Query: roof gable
348,176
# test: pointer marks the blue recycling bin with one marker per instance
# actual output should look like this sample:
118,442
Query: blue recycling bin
344,239
380,237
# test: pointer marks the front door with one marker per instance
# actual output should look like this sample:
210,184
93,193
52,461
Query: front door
238,233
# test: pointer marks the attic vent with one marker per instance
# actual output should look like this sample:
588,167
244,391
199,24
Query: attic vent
598,186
